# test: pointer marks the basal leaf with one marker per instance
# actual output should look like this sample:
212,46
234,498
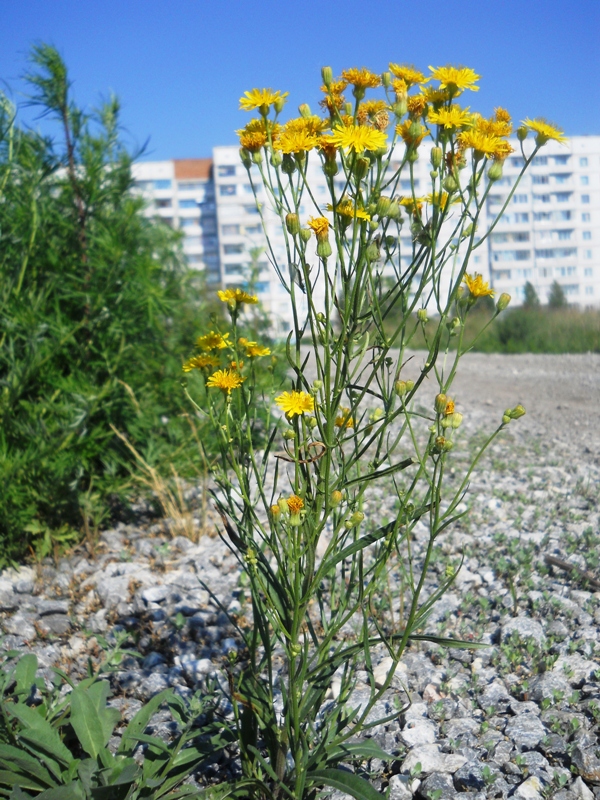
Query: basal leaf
25,672
346,782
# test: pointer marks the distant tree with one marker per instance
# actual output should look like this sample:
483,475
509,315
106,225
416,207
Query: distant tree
557,298
530,296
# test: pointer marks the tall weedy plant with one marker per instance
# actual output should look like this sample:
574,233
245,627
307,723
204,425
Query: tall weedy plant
349,420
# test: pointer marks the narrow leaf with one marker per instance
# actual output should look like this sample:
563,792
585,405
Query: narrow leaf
25,672
346,782
86,722
140,721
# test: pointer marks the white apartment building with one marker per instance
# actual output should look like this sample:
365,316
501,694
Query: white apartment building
549,230
181,194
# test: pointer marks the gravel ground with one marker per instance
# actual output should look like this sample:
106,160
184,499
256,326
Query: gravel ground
519,718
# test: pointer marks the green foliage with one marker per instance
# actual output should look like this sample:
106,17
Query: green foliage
96,311
556,298
530,296
54,745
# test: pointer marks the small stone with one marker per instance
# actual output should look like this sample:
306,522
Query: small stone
576,669
153,684
22,626
382,670
54,624
432,760
581,791
418,733
471,776
228,645
195,669
23,586
548,685
152,660
587,763
8,601
45,607
554,746
525,628
155,594
434,784
399,788
526,731
531,789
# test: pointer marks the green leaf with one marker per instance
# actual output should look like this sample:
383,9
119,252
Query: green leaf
87,722
72,791
460,644
365,750
41,737
359,544
15,757
25,673
140,721
10,779
346,782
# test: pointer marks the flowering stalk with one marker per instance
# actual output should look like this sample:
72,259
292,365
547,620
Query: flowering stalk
298,510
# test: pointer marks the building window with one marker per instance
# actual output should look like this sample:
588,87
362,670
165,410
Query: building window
589,290
585,217
571,288
562,178
544,272
194,258
248,188
253,229
406,185
562,197
190,186
233,249
143,185
583,162
192,241
520,198
588,272
188,204
585,198
522,217
230,230
588,254
562,215
226,171
234,269
162,184
517,162
587,234
561,159
227,189
564,234
540,179
564,271
540,161
542,216
584,180
188,222
262,287
251,209
502,274
512,255
162,204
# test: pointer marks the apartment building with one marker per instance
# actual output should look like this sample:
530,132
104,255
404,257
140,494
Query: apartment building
547,230
181,193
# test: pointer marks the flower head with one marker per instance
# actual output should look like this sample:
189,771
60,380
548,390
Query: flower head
416,106
358,138
484,144
255,134
261,99
450,117
346,208
412,132
545,131
361,78
295,504
455,79
344,419
225,380
200,362
327,148
477,286
320,226
412,205
409,74
299,141
498,125
375,112
294,402
213,341
254,350
237,296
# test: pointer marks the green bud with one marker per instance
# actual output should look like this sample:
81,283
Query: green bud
304,110
283,505
373,224
410,385
336,498
436,157
400,107
516,412
289,434
276,158
383,206
522,132
257,157
292,223
433,174
311,423
393,210
412,156
324,249
503,302
245,157
361,168
495,171
450,184
288,164
372,252
354,520
422,315
440,403
386,79
505,419
327,75
316,387
348,109
305,234
455,419
330,168
400,388
279,104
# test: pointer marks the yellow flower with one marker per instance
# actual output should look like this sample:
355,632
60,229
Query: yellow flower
412,132
400,88
294,402
416,105
346,208
344,420
498,125
200,362
449,407
225,380
236,365
255,134
320,226
477,286
295,504
335,87
407,73
327,147
361,78
312,124
334,99
358,138
254,350
370,108
213,341
260,98
296,141
237,296
413,206
545,130
484,144
451,117
435,96
455,79
440,199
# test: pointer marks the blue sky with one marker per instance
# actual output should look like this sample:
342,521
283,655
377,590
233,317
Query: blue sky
179,67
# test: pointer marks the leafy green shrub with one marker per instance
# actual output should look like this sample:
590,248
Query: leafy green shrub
97,308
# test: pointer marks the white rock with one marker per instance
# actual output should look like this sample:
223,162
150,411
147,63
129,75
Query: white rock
399,788
432,760
575,668
382,670
197,668
419,733
531,789
581,791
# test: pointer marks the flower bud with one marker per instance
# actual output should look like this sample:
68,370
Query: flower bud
410,385
361,167
450,184
276,158
275,512
393,210
288,165
522,132
245,157
372,252
257,157
305,234
455,419
516,412
495,171
400,388
373,224
386,80
283,505
436,157
503,302
311,423
348,110
354,520
448,445
505,419
327,75
336,498
383,206
400,107
330,167
422,315
289,435
324,248
440,403
304,110
376,415
412,156
292,223
279,104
